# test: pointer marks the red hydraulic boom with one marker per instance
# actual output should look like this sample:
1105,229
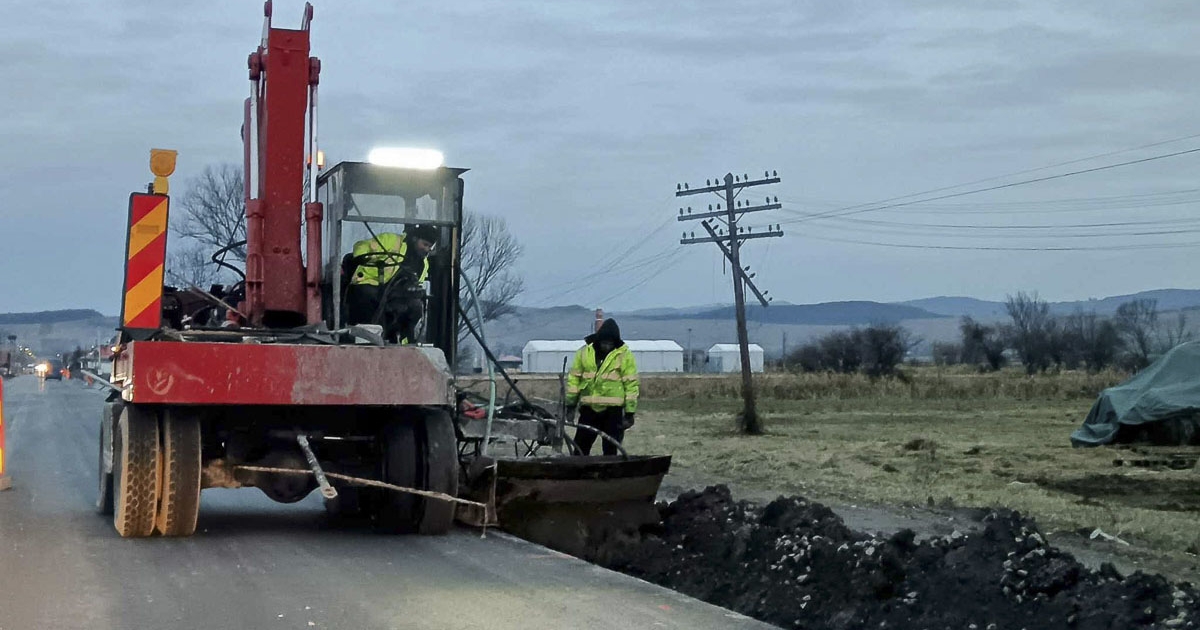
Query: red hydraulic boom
283,92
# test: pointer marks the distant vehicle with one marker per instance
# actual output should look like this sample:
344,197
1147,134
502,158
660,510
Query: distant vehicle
50,369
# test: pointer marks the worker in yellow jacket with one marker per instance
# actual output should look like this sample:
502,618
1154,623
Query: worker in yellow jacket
386,273
603,384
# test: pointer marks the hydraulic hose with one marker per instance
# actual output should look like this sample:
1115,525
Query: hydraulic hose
491,409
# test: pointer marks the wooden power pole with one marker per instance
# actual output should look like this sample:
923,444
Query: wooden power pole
729,239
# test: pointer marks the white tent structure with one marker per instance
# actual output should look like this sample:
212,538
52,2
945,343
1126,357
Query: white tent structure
657,356
545,356
726,357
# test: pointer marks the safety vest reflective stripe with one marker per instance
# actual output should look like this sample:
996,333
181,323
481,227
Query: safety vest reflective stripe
380,258
602,400
611,382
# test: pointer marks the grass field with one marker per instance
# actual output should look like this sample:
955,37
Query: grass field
947,437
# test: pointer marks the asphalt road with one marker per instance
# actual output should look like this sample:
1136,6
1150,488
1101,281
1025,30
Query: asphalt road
257,564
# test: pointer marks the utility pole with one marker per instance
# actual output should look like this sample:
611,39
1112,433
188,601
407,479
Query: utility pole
730,240
783,353
690,367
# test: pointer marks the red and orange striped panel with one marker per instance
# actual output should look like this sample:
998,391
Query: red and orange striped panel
145,254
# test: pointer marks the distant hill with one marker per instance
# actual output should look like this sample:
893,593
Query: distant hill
50,317
959,306
669,311
1168,300
53,332
825,314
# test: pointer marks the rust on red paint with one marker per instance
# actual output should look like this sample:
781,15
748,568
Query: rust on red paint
207,373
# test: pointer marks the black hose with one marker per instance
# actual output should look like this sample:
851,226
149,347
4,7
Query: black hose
491,357
221,261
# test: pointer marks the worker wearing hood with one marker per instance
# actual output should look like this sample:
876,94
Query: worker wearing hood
603,383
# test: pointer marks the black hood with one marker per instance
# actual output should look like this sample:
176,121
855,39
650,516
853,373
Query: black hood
608,330
424,232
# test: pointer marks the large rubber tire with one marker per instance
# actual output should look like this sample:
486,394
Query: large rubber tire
441,472
179,500
135,471
399,512
104,473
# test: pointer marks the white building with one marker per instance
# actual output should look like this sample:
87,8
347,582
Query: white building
547,356
657,356
652,356
726,357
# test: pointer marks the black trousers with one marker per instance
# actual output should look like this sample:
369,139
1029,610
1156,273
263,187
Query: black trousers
399,316
610,420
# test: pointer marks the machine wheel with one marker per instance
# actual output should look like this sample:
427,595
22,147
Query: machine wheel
104,496
135,471
441,471
399,512
104,473
179,499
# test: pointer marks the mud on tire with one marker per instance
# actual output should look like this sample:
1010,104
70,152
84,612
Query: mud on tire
179,500
399,512
440,460
135,471
104,472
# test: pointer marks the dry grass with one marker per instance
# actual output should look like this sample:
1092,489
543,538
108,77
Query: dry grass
917,384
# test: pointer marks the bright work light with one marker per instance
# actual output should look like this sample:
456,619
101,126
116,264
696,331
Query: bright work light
426,159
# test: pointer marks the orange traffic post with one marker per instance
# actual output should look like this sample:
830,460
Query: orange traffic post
5,482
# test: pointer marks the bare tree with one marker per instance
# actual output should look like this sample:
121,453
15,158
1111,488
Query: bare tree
192,266
884,347
1032,331
489,252
1174,333
982,345
946,353
1089,340
876,351
1137,320
214,209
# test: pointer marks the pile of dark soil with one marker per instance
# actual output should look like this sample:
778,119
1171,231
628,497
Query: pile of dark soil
795,564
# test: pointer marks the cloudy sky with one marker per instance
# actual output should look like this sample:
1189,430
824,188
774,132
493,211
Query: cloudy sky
577,119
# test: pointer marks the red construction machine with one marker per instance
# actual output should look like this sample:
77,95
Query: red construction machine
264,373
262,384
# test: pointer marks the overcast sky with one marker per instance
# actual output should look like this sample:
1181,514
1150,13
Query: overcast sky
577,119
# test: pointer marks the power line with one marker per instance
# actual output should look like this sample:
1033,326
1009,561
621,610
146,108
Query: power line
1015,227
913,230
587,281
839,213
1069,204
1026,171
1004,249
613,263
666,264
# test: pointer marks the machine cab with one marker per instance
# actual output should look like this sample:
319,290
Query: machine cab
363,199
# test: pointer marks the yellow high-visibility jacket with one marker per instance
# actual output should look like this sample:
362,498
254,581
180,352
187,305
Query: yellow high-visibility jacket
611,384
379,260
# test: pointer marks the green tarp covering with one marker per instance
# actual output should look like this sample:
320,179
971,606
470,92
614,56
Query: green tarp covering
1166,393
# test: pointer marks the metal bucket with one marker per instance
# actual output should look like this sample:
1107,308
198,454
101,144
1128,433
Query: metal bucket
575,504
